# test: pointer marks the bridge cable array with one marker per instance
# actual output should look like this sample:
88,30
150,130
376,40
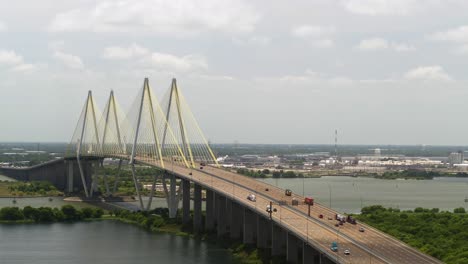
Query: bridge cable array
152,132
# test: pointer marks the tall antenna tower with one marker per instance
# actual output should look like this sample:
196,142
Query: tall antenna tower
336,143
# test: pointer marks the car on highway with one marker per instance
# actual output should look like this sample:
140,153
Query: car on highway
295,201
309,200
251,197
334,246
361,229
347,252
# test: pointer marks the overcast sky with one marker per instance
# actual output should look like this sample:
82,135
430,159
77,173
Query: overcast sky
379,71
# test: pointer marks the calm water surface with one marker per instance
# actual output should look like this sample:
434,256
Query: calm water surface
104,242
348,194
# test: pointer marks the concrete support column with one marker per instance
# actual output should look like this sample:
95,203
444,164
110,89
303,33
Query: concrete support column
70,176
197,202
173,202
250,227
228,215
292,248
222,215
237,219
278,241
185,201
94,167
263,232
310,255
209,210
325,260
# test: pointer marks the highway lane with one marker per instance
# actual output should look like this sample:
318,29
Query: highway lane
306,228
387,247
369,246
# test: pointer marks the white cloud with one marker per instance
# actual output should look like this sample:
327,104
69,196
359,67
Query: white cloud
381,44
176,17
457,35
3,27
69,60
24,67
319,36
158,61
169,62
10,58
12,61
373,44
124,53
430,73
381,7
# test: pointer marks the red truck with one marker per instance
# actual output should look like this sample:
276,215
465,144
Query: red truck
309,200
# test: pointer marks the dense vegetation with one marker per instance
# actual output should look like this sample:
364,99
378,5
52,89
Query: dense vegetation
47,214
443,235
34,188
417,174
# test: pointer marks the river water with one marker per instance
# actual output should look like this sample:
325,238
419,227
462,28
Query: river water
104,242
349,194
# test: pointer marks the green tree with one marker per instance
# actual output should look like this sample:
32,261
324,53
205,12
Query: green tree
11,214
70,213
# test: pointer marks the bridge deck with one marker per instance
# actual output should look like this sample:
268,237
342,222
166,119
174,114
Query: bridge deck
370,246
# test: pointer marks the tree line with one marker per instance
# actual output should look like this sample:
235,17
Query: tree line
66,213
443,235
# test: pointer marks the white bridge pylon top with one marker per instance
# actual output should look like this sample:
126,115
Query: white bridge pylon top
152,131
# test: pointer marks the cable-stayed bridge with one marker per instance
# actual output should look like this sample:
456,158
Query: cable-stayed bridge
164,134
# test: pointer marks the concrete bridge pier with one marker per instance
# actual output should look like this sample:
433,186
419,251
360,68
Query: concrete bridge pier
69,165
263,232
197,208
228,216
172,195
310,255
237,219
278,241
222,218
250,227
185,201
293,246
94,186
209,211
